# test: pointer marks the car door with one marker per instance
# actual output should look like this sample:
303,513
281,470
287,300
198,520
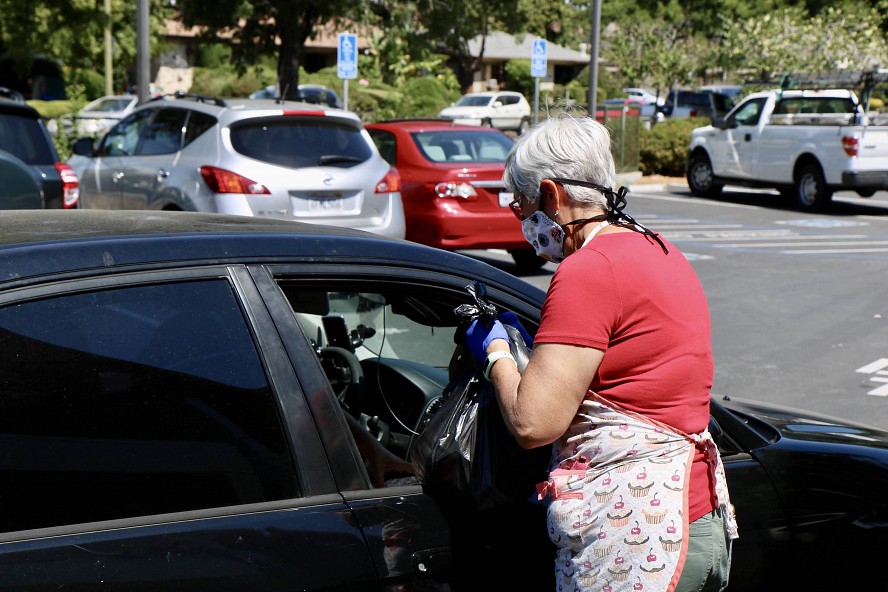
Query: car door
104,176
400,325
733,155
508,116
149,168
156,437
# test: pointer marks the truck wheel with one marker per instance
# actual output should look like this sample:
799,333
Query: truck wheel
866,192
701,179
527,260
811,191
486,123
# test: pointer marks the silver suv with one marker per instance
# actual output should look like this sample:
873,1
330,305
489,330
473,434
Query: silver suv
274,159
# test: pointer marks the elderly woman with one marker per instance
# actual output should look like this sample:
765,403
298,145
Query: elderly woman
618,380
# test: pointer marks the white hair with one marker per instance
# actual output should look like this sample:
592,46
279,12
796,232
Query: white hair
562,146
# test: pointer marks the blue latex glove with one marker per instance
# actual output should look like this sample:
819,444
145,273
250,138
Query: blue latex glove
510,318
479,337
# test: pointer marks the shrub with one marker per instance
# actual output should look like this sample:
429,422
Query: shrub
429,95
663,149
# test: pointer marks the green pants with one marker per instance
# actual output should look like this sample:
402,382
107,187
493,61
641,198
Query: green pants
708,562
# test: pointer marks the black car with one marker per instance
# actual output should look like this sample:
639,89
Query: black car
173,398
25,139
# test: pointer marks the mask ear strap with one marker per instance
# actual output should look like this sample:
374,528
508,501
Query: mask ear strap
616,201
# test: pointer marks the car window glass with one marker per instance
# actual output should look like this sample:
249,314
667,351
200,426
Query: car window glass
24,137
464,145
108,105
474,101
298,143
387,145
163,135
159,404
197,124
123,138
749,113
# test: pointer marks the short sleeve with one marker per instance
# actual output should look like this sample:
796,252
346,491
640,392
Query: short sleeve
583,304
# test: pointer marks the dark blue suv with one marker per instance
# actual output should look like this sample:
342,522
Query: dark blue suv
33,175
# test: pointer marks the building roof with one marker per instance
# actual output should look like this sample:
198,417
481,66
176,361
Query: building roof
502,46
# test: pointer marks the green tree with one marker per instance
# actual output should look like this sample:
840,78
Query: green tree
268,27
71,32
792,40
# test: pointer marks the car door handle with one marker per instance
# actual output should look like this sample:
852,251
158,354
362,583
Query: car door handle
117,176
162,174
435,564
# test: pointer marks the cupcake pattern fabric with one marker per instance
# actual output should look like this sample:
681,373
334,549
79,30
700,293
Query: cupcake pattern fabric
618,500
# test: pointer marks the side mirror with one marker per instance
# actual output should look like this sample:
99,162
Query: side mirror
719,122
82,146
497,104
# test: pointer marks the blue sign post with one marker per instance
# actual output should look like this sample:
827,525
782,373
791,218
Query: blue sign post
538,70
347,62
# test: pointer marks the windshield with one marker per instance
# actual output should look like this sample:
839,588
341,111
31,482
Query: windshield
474,101
108,105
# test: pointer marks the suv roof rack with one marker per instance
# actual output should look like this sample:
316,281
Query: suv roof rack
192,97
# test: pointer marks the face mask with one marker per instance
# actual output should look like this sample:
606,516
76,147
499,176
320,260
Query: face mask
545,236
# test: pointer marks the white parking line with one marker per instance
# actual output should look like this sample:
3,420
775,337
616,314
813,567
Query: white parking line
832,251
814,244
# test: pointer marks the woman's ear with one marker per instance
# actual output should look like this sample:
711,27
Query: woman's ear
552,193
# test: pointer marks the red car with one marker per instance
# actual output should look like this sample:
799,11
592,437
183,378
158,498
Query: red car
451,185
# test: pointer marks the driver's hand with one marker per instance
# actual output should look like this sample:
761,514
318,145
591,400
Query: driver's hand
384,462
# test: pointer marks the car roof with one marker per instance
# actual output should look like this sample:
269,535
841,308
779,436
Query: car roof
438,124
67,243
18,108
233,108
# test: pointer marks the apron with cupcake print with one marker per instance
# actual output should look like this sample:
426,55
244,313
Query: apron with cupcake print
618,500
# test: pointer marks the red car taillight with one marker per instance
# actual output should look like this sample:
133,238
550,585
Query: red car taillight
222,181
390,183
462,191
70,185
850,144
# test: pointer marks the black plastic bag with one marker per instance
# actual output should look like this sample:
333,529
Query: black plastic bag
466,446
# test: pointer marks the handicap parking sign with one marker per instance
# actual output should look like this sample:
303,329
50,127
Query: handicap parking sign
538,58
347,58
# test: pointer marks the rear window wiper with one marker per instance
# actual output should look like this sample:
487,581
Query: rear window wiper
337,158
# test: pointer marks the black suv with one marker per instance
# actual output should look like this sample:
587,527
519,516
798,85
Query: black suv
28,155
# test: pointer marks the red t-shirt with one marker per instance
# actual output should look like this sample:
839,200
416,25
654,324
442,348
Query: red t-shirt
647,311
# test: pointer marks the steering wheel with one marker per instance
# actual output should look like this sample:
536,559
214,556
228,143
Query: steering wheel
343,370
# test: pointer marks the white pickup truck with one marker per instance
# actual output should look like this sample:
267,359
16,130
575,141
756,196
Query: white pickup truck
805,143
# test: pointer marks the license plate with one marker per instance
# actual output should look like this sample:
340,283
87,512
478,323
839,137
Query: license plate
325,205
505,198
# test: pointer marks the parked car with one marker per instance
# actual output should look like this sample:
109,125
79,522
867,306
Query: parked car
286,160
173,412
99,116
452,185
307,93
25,138
647,97
504,110
648,112
696,103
